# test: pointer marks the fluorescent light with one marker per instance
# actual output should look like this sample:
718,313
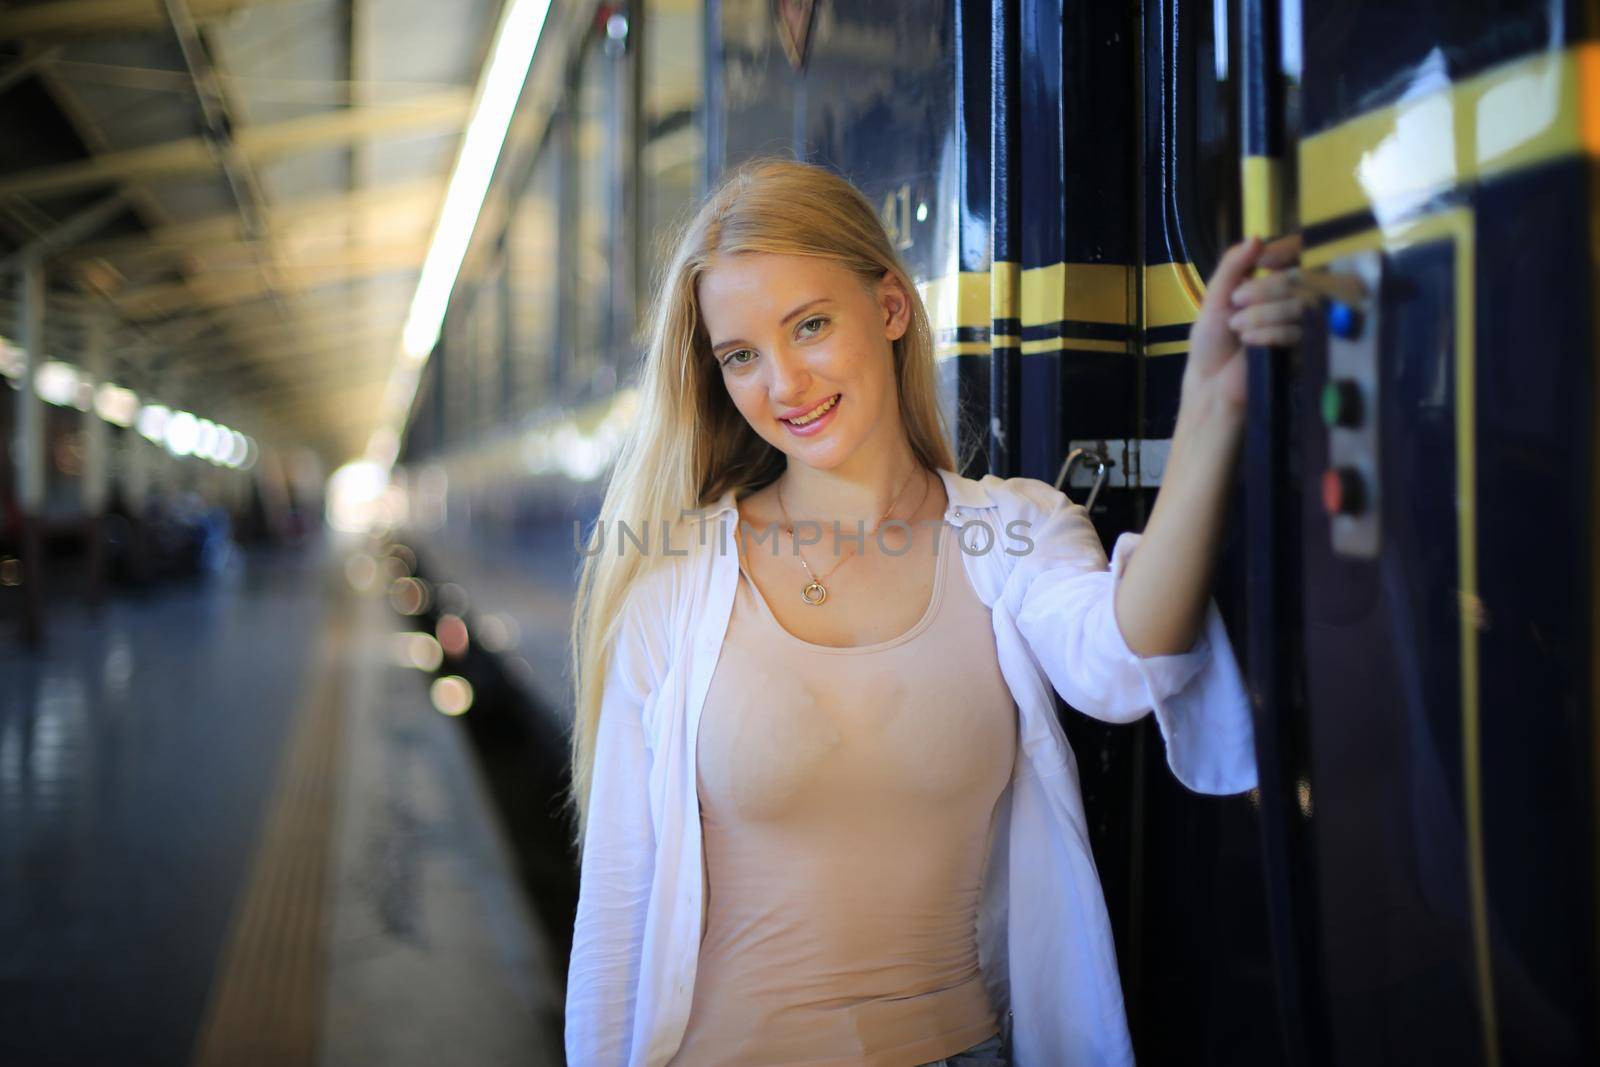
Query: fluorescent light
183,433
238,449
152,424
205,438
521,25
116,405
10,358
56,383
503,78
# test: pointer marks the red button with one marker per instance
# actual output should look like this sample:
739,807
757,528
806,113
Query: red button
1341,491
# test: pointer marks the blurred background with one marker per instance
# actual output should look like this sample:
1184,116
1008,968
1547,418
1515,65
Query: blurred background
319,322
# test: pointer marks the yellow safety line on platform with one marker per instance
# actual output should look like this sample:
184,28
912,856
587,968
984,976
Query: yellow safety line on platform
266,1002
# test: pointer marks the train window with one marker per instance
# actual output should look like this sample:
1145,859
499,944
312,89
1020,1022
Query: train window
1205,114
597,173
455,354
471,361
489,310
531,254
672,125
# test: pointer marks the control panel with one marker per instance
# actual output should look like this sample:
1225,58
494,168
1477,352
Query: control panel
1352,489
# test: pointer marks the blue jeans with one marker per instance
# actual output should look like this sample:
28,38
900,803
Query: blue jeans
991,1052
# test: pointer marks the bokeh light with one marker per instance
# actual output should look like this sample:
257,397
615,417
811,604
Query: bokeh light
499,633
418,651
361,571
410,596
451,694
453,636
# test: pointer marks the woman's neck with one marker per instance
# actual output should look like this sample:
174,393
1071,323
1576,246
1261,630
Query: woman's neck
853,492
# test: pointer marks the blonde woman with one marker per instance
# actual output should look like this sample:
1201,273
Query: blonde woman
827,812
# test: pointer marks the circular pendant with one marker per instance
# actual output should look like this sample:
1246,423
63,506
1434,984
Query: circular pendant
814,593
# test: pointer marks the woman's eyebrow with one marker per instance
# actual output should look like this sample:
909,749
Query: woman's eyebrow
716,349
802,309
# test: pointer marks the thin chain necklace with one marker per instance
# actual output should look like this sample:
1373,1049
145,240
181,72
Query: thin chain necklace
814,592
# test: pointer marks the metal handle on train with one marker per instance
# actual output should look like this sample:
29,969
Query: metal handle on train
1102,466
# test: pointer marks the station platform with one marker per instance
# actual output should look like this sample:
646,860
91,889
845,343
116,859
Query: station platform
527,587
233,830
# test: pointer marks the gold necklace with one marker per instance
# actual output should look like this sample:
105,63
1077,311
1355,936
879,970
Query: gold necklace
814,592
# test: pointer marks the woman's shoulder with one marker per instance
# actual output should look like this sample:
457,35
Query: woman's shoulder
671,569
1020,497
1055,530
654,589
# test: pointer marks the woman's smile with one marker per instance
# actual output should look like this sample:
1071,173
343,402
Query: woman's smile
814,420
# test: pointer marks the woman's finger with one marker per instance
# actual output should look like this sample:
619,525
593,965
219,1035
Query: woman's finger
1284,336
1278,285
1281,253
1273,313
1235,265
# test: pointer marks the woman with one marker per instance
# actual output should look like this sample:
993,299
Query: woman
827,813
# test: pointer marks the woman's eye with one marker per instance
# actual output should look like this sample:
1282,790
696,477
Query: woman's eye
733,359
814,325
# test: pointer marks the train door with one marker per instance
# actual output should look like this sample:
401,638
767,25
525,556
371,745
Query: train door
1107,207
1422,543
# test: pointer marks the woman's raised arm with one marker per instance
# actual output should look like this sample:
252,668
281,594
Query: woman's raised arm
1161,600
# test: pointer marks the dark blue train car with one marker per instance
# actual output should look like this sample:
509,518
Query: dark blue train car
1411,568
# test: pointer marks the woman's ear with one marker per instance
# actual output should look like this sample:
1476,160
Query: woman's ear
896,305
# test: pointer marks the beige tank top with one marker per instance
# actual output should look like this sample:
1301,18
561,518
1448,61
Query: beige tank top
847,797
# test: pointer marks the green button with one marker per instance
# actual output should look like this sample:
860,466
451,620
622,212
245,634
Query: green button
1341,403
1331,404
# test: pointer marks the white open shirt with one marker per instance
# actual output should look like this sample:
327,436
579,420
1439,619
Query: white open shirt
1045,944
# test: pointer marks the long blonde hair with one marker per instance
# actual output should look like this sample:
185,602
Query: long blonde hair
688,444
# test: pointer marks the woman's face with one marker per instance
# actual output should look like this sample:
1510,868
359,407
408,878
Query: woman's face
795,334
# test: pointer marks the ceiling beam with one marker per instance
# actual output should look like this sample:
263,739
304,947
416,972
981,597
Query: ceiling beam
25,67
328,397
257,309
217,112
84,18
200,235
304,246
365,338
343,366
403,253
67,233
151,301
245,319
92,279
258,143
247,330
222,357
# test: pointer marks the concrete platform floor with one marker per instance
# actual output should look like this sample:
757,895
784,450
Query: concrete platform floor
232,830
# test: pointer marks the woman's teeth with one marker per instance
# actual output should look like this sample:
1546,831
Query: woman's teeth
815,413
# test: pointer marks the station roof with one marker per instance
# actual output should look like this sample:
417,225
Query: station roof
243,190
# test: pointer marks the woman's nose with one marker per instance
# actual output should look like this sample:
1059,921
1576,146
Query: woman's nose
789,378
